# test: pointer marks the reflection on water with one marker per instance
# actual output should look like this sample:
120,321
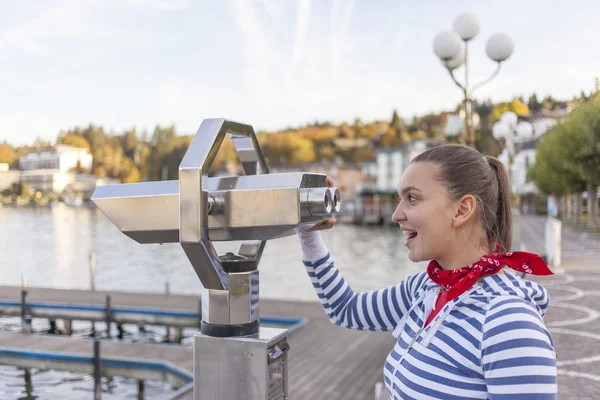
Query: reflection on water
51,247
18,383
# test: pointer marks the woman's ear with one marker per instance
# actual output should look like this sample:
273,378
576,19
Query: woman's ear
465,210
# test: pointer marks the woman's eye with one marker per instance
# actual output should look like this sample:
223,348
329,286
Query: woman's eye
411,198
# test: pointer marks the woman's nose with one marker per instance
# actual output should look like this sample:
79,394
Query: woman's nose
398,215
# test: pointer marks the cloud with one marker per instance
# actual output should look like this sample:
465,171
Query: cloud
340,16
29,36
257,45
149,4
302,22
272,8
69,21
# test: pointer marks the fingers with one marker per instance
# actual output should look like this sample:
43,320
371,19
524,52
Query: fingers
327,224
330,182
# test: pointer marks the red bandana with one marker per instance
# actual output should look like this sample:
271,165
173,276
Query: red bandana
458,281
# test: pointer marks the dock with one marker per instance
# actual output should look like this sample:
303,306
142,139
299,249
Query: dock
325,361
143,361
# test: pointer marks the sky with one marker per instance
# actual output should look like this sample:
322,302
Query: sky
270,63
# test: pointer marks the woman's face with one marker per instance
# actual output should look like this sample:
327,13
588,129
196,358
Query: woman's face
425,212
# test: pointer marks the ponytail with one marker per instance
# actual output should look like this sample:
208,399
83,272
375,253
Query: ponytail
502,229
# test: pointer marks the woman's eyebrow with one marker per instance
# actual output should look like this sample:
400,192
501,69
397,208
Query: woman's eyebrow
408,189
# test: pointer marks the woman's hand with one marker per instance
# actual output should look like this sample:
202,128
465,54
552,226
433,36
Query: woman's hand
329,222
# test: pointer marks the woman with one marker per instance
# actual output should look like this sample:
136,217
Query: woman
466,328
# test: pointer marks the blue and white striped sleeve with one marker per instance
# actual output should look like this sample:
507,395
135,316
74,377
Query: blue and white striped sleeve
379,310
518,357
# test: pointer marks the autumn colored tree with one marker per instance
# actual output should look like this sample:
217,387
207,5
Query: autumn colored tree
515,105
397,124
8,155
75,140
129,142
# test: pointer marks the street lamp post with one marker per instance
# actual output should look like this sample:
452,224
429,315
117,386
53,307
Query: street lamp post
452,49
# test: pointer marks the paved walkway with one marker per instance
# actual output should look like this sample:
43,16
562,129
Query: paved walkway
574,323
577,247
574,314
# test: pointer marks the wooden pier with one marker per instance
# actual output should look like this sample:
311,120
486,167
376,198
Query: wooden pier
325,361
168,362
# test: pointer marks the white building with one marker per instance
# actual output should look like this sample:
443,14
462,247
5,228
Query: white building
62,157
8,177
392,162
84,185
524,156
46,180
455,123
522,161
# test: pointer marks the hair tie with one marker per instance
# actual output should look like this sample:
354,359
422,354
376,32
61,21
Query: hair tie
486,160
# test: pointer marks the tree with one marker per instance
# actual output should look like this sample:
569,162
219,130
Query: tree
533,103
129,142
569,156
397,124
430,123
302,152
391,138
346,131
78,169
484,110
515,105
75,140
418,135
8,155
549,103
357,127
163,135
550,175
582,134
41,144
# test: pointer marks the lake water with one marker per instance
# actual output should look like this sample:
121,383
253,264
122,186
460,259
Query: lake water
51,247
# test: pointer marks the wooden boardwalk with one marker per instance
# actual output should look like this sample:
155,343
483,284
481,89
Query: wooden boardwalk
168,362
325,361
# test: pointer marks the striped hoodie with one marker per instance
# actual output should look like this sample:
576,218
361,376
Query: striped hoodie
489,343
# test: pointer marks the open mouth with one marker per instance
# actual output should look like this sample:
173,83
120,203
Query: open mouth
409,235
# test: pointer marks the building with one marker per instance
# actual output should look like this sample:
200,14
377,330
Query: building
84,185
522,161
455,123
376,202
62,157
392,162
46,180
66,184
525,151
8,177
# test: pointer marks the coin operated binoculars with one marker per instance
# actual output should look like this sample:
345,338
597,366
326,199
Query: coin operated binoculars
234,358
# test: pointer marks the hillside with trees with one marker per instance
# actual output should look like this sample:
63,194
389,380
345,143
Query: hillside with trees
568,161
134,156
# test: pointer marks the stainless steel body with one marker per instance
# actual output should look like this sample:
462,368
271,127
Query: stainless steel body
196,210
251,368
253,207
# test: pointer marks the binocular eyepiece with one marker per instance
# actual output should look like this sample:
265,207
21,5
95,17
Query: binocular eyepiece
320,202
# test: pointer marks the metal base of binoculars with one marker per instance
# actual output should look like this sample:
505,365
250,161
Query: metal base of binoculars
251,358
248,367
234,358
